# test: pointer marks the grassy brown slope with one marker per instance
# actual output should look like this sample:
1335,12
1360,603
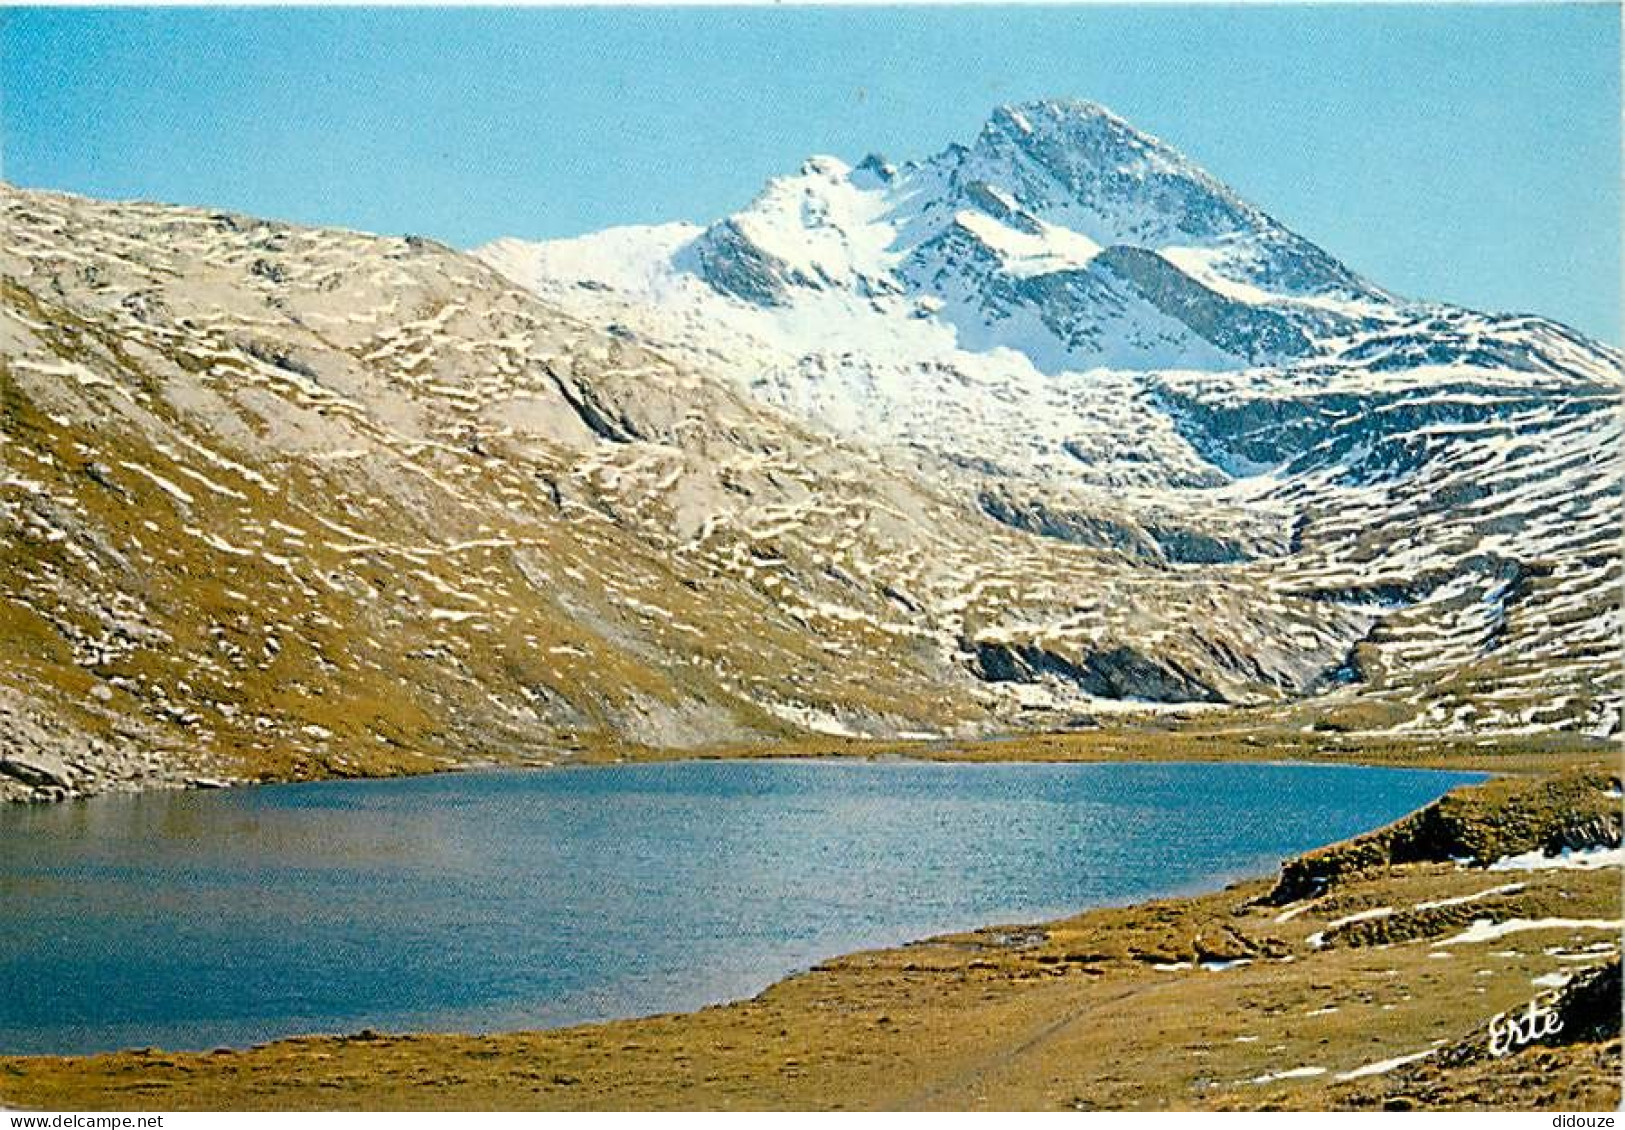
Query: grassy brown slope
1077,1013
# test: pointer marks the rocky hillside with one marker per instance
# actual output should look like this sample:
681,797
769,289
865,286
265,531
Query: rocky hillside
280,502
1070,326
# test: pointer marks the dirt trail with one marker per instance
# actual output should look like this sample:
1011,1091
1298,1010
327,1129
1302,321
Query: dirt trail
964,1082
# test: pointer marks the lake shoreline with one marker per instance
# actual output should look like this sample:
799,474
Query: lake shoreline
1204,740
1027,969
1217,735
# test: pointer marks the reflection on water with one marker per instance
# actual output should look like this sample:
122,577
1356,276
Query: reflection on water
529,899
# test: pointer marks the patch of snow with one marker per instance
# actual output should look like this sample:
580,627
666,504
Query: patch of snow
159,481
1587,859
1291,1073
1486,930
1318,938
1383,1066
1503,889
1025,254
810,719
1205,264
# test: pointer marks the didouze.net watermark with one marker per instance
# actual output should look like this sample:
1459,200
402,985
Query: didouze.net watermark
86,1121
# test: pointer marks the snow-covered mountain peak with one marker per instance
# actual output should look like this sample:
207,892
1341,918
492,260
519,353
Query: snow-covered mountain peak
813,230
1061,233
1079,165
1078,134
1021,303
830,168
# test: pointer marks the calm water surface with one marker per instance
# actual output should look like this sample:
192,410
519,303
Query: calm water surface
529,899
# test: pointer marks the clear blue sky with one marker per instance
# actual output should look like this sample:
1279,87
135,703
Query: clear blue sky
1466,154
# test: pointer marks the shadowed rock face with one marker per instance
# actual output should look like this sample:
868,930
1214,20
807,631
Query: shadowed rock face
1235,327
39,770
1144,538
1588,1008
1584,1011
730,262
1120,673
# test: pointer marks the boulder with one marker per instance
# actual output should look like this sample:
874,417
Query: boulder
40,770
